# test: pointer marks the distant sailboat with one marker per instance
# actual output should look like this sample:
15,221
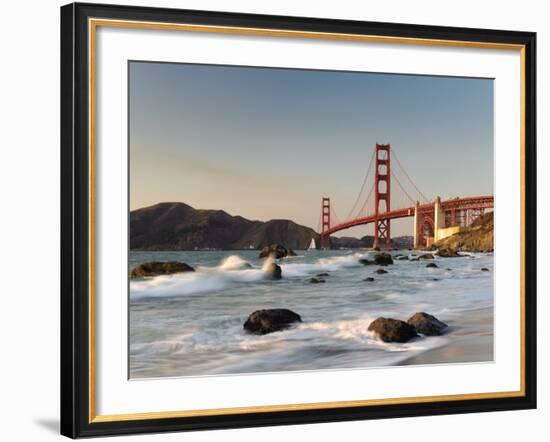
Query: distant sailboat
312,245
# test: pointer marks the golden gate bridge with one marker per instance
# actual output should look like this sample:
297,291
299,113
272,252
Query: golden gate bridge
433,220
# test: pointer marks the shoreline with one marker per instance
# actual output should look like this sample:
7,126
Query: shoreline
470,339
176,330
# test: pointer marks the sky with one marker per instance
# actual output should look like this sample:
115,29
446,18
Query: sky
269,143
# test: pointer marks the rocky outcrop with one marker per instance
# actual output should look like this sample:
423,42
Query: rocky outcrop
383,259
380,259
155,268
276,251
476,238
273,271
262,322
427,324
447,252
392,330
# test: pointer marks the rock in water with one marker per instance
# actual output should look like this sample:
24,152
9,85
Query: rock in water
427,324
392,330
316,280
366,262
381,271
431,265
273,271
447,252
383,259
155,268
262,322
322,274
484,269
276,251
426,256
369,279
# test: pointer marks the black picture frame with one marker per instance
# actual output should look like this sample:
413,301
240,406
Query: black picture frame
75,220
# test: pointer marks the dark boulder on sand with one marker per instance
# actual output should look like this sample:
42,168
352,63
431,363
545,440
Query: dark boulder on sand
381,271
273,271
427,324
262,322
392,330
383,259
431,265
155,268
276,251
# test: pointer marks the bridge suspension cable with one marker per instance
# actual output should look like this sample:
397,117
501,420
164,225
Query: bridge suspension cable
334,215
362,187
408,177
402,188
365,203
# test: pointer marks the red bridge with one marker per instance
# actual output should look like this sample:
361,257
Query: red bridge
432,220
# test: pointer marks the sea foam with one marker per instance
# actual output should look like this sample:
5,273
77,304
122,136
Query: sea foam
230,271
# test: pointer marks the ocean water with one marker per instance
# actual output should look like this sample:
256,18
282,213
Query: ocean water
191,324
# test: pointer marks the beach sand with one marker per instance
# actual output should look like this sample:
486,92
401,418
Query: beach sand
470,339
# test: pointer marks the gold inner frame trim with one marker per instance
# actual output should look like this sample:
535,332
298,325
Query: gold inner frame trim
93,24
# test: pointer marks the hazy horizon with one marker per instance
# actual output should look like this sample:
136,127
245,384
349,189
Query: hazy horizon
269,143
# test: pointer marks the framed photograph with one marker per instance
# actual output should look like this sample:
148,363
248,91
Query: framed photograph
274,220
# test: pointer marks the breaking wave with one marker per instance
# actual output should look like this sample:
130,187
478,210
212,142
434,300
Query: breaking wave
230,271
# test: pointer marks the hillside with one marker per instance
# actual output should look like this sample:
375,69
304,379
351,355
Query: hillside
349,242
177,226
476,238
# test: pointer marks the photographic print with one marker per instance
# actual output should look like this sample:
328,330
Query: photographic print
273,220
294,219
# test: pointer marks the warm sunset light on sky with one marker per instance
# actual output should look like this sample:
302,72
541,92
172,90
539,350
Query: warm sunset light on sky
268,143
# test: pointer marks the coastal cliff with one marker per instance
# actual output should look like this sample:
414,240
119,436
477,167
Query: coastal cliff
476,238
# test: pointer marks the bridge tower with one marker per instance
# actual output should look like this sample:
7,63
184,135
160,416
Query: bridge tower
382,232
325,223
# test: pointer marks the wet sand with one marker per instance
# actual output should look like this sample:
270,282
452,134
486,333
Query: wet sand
470,339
